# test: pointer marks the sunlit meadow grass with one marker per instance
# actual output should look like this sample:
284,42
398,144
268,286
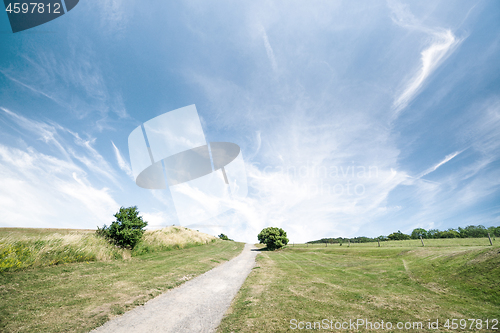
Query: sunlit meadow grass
439,242
19,250
397,282
22,248
170,238
79,296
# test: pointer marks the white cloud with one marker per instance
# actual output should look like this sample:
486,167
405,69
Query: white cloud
122,163
156,220
54,98
334,106
43,131
77,85
296,130
435,167
54,188
442,44
39,190
269,49
471,181
53,135
331,107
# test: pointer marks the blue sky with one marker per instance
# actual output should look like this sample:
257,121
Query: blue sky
353,118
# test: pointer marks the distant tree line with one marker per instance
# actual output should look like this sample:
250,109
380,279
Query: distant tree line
470,231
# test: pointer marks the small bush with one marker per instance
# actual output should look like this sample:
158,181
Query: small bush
224,237
127,230
274,238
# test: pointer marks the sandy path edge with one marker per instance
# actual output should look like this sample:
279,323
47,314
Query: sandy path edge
196,306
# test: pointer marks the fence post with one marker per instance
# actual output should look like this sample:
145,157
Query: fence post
490,239
422,240
378,240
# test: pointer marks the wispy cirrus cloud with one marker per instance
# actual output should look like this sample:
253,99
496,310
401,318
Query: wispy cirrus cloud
435,167
44,131
269,49
40,190
52,177
11,76
122,163
78,85
53,134
459,192
442,43
337,117
346,72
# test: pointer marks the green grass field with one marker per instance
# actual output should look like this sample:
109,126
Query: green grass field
79,296
398,282
440,242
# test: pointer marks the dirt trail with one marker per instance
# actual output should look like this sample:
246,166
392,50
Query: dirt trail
196,306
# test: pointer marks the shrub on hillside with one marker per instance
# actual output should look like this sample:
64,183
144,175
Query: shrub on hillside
224,237
274,238
127,230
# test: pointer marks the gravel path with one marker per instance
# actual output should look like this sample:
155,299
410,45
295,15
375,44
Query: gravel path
196,306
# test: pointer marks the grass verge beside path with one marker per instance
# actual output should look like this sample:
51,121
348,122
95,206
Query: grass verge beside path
78,297
392,284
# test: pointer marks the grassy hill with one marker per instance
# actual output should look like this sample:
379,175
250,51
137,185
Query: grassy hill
73,281
26,247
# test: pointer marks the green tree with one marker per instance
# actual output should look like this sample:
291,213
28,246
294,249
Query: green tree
273,237
433,233
415,234
450,233
494,231
473,231
127,230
